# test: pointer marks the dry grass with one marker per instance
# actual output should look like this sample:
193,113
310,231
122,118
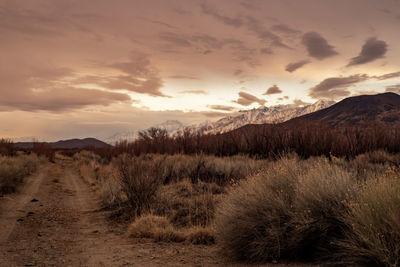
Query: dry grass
325,213
335,210
373,221
14,169
200,236
160,229
186,204
252,220
155,227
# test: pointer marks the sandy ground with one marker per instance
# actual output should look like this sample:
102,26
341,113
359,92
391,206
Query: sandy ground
57,221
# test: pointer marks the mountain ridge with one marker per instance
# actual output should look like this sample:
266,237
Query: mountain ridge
67,144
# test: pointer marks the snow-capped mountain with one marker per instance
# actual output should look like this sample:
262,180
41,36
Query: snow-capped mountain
170,125
274,114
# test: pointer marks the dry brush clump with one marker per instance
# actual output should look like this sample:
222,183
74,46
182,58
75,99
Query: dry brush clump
186,204
373,220
160,229
314,210
139,182
102,177
14,169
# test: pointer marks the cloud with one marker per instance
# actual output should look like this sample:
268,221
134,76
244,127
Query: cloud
157,22
298,102
372,49
336,86
184,77
264,34
174,38
317,46
238,72
393,88
221,107
45,89
213,114
235,22
266,51
291,67
284,29
246,99
252,24
273,90
196,92
138,76
387,76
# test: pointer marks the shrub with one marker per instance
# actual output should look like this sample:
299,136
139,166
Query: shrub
109,186
14,169
319,208
139,182
200,236
252,221
373,221
155,227
186,204
292,211
7,147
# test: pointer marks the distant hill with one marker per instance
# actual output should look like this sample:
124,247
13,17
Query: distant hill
364,109
69,144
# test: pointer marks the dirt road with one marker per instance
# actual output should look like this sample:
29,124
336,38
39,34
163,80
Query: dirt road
55,220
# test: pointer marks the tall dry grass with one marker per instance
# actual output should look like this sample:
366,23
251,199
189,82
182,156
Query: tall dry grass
315,210
14,169
373,220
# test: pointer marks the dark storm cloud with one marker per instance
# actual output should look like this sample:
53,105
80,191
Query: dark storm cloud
317,46
235,22
291,67
372,49
246,99
273,90
221,107
336,86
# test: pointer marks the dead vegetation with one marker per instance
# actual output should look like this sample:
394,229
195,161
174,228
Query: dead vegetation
14,169
322,209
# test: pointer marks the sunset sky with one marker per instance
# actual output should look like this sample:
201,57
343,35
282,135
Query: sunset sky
79,68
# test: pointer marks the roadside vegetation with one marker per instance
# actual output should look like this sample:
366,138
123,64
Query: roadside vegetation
336,210
15,166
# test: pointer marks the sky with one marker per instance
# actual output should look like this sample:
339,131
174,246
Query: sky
79,68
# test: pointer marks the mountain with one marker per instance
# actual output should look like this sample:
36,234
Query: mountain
68,144
365,109
274,114
170,125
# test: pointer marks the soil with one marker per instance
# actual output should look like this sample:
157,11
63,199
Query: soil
58,221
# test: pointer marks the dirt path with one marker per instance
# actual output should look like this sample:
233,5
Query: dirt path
55,221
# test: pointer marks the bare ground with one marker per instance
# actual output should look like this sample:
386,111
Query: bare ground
57,221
